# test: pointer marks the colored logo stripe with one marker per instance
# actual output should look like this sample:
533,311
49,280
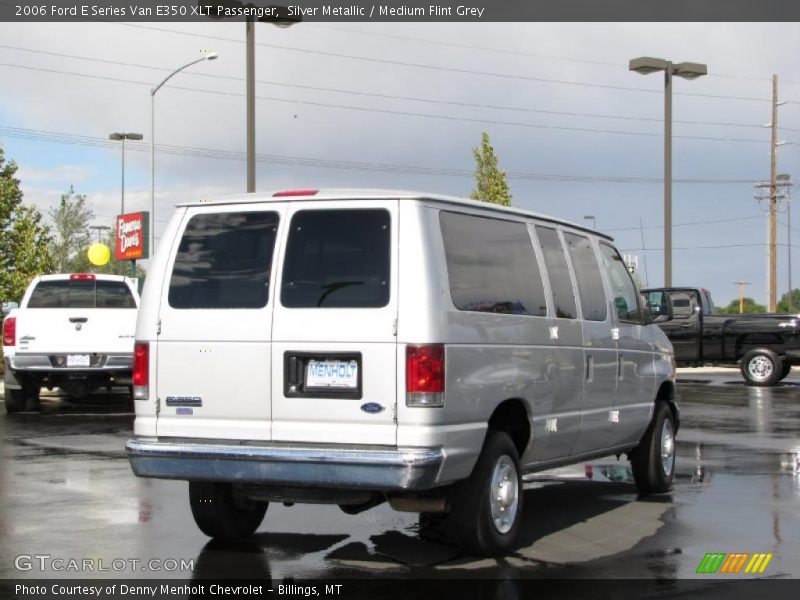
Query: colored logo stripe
758,564
721,562
711,562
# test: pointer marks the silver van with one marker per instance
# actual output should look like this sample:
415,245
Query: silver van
356,347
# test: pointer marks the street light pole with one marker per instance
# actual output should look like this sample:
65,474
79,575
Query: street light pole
122,137
207,56
646,65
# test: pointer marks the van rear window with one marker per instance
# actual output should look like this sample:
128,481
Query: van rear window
492,266
81,293
224,261
337,259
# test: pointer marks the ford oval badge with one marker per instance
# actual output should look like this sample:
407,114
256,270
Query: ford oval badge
372,408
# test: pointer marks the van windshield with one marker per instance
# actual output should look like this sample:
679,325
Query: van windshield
337,259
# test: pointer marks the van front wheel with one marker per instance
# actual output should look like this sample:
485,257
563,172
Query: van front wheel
487,506
653,460
221,512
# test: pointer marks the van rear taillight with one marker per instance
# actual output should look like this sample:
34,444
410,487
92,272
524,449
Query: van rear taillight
10,331
290,193
141,370
425,375
82,277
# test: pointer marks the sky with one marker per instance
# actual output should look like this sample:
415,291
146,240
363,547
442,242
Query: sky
401,106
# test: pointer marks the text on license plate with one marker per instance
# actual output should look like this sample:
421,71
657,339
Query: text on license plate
332,374
78,360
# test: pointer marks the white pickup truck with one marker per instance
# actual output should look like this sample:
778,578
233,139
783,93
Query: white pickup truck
72,331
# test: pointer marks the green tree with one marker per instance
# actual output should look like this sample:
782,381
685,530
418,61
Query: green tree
72,238
23,238
490,181
784,306
750,306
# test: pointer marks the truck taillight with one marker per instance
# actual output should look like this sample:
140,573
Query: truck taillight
425,375
141,370
82,277
10,331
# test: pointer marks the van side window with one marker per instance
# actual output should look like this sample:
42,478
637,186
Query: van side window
623,290
337,259
587,272
558,273
492,266
224,260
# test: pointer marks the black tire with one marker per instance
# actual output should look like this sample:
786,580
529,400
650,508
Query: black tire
222,513
761,367
471,516
785,370
16,401
653,460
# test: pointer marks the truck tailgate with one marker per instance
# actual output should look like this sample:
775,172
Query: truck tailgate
59,330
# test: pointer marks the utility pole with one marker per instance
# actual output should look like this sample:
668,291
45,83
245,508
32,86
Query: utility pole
773,202
741,285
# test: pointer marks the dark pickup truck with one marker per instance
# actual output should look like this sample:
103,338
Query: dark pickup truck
765,346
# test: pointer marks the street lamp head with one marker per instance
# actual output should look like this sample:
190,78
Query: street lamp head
212,56
134,136
690,70
116,136
644,65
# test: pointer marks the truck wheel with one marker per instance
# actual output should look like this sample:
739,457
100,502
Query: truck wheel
16,401
487,506
785,370
222,513
653,460
761,367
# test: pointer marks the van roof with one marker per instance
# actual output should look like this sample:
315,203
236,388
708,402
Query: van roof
380,194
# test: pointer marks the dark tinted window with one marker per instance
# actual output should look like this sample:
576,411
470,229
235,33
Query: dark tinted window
587,272
224,261
558,273
492,266
623,290
81,293
337,259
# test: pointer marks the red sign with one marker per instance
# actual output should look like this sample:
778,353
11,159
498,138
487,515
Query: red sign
132,236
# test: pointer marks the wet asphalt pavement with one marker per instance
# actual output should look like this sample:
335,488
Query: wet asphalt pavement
67,491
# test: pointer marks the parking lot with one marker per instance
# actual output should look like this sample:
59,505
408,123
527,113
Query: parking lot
67,492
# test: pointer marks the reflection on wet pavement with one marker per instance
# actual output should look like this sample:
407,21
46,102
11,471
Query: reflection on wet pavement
66,490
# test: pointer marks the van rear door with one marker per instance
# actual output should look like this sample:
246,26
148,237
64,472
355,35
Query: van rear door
213,351
334,347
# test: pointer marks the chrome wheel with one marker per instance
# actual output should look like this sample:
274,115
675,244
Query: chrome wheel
760,368
667,448
504,494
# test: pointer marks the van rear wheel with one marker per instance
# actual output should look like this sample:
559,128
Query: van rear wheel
487,506
653,460
223,513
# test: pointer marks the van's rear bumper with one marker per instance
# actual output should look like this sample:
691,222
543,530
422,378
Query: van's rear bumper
346,468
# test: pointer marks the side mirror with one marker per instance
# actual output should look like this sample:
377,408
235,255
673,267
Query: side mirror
659,306
7,307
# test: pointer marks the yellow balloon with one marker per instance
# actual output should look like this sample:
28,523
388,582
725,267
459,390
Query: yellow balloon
99,254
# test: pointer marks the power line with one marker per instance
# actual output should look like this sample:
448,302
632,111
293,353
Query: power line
711,222
382,96
211,153
516,52
397,112
439,68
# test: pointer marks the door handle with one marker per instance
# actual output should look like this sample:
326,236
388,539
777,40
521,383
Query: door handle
78,319
589,368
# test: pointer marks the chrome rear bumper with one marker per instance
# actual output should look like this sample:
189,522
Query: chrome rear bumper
345,468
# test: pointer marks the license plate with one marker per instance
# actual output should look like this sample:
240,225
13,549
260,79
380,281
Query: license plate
78,360
338,374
